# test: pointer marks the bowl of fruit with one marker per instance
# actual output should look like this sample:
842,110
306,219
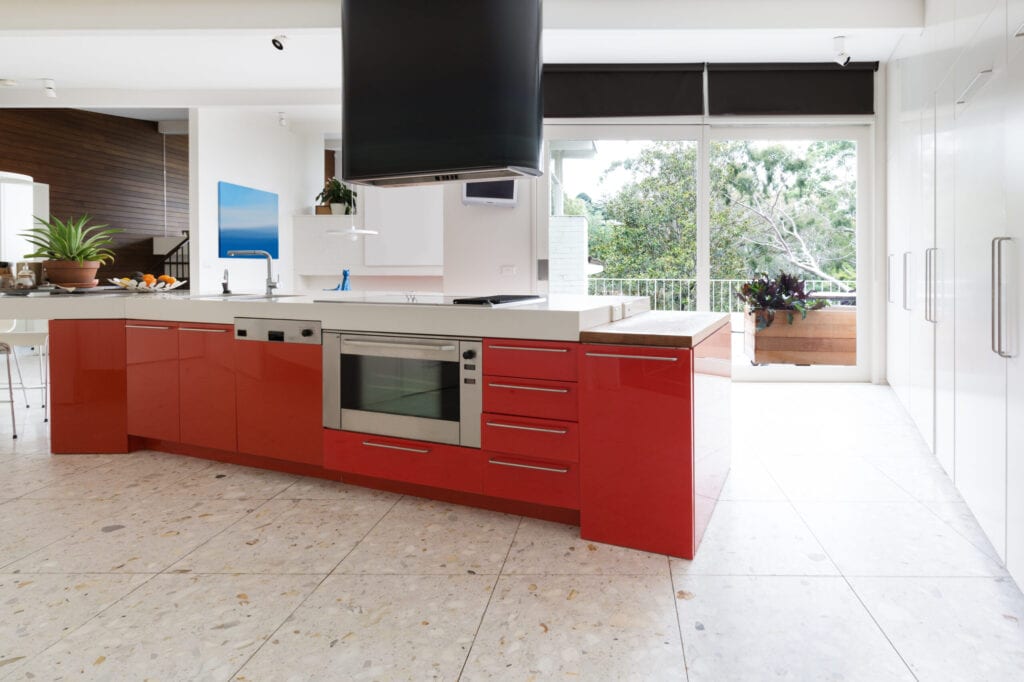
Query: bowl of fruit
145,282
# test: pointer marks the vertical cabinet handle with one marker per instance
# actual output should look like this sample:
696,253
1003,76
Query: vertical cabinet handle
906,271
890,291
997,298
930,299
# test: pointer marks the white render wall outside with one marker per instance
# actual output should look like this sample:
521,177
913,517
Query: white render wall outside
567,254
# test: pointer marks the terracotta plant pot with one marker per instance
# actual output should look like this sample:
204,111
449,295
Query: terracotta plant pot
322,210
68,273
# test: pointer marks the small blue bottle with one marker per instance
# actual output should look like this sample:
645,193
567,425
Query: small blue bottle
344,281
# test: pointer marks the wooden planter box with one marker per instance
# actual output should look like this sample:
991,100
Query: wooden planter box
824,337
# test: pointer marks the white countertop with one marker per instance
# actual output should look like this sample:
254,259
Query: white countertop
558,318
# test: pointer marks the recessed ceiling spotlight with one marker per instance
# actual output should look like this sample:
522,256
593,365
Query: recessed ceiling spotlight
49,88
842,57
8,82
279,41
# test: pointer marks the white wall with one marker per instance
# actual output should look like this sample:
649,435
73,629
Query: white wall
480,242
568,250
250,148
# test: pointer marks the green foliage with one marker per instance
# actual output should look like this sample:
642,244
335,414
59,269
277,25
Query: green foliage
71,240
763,295
772,207
337,192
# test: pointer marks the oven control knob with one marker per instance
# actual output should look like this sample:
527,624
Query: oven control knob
307,332
468,354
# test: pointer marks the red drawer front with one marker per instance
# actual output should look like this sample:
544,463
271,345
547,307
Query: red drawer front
543,438
409,461
556,484
554,360
531,397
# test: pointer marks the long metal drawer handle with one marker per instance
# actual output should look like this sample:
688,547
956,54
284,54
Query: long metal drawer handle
658,358
982,75
371,444
206,331
552,470
146,326
929,285
530,388
516,427
384,344
532,350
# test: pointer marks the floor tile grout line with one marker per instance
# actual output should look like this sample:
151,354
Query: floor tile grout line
846,582
65,634
217,534
311,592
679,624
490,597
956,530
879,626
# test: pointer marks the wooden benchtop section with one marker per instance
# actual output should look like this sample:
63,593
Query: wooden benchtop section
658,328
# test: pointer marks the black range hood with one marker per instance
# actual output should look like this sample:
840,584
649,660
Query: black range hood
440,90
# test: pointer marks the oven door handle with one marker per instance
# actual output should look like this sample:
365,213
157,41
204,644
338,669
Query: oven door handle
447,348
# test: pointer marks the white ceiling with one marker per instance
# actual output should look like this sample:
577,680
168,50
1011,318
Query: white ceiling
223,61
131,54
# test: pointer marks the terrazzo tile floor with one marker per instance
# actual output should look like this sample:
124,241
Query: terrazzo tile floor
840,553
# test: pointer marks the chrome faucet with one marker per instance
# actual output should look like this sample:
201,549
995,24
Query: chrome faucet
271,284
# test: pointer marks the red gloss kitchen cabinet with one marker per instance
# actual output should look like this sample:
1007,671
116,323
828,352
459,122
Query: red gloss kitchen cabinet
397,459
636,460
552,360
206,369
153,381
279,389
87,386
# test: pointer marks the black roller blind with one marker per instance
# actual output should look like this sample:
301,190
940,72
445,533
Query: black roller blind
791,89
606,90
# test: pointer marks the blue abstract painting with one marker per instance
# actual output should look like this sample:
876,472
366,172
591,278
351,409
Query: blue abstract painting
247,219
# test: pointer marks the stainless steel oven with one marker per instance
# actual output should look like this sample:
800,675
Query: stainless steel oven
423,388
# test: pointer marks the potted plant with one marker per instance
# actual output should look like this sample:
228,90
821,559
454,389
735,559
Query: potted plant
73,249
810,334
340,197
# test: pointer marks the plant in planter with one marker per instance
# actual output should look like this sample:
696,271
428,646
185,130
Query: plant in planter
339,196
74,249
763,295
816,337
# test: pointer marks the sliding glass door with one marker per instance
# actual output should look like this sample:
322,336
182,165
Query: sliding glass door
685,214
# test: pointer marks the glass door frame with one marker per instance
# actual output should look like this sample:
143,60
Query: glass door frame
703,133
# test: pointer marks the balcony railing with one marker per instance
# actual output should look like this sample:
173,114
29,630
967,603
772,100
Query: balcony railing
681,294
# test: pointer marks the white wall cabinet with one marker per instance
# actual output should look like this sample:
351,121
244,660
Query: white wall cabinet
970,163
1014,313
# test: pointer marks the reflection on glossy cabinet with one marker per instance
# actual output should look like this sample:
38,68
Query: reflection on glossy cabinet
88,386
636,448
153,382
207,374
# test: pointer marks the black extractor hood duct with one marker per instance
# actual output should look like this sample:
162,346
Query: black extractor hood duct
440,90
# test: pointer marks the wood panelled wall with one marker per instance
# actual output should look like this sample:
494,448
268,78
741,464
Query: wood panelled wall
107,166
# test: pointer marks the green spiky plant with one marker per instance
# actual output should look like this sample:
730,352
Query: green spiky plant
785,292
337,192
71,240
